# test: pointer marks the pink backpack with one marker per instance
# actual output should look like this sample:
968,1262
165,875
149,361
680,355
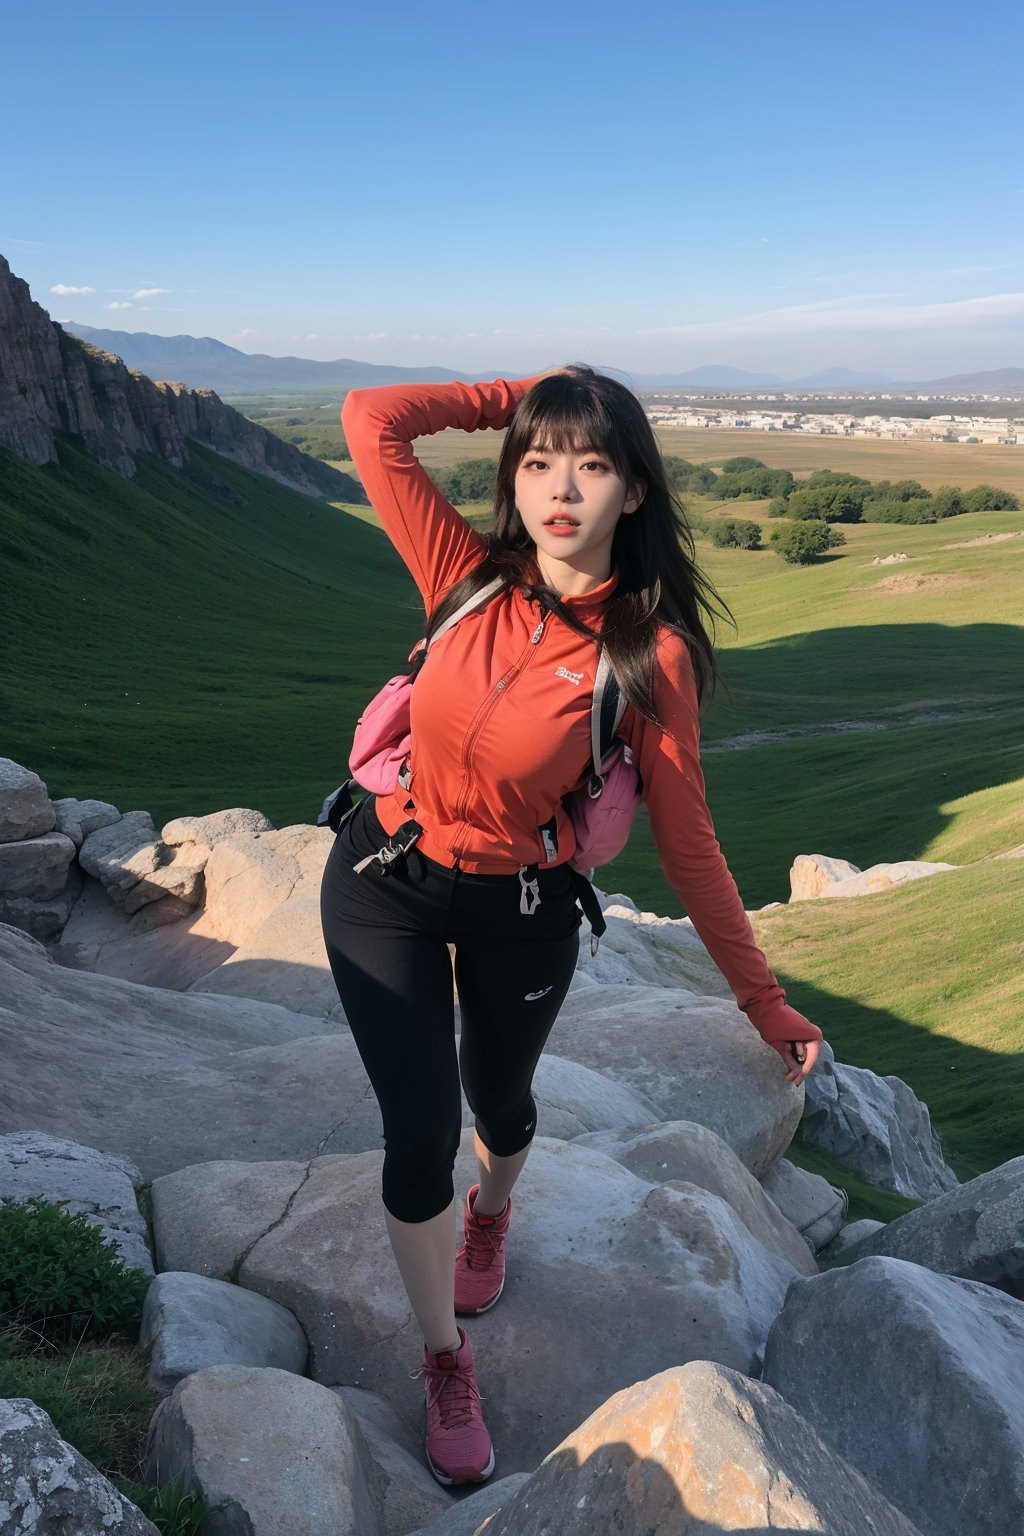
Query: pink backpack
602,811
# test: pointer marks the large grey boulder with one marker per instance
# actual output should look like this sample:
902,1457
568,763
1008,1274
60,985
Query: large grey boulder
696,1450
683,1151
815,875
77,818
190,1322
136,868
208,830
641,948
810,1202
875,1125
37,868
283,1456
98,1185
918,1381
166,1079
404,1492
207,1217
694,1057
48,1489
975,1231
249,875
848,1237
25,809
470,1515
594,1249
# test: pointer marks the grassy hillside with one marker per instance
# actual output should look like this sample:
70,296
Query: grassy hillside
927,983
190,640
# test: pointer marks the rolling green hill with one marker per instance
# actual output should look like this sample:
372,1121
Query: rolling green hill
190,639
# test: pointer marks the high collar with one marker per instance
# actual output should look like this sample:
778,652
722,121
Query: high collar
581,602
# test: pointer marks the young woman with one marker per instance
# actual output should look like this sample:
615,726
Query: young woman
592,549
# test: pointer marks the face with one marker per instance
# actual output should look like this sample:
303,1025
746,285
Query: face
570,503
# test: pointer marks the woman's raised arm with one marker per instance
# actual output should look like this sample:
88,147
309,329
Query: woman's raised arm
436,543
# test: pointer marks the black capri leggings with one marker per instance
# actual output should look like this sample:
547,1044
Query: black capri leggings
387,941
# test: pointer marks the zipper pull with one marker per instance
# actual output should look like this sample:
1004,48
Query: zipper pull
535,637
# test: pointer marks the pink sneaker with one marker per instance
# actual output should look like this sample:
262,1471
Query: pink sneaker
480,1262
459,1449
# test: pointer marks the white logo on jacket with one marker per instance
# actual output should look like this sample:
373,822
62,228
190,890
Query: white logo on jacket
573,677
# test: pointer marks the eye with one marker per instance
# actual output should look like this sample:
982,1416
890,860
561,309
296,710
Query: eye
597,464
532,461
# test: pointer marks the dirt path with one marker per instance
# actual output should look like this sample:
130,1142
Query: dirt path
917,712
986,538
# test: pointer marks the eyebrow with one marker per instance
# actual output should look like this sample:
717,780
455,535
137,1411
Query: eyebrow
588,448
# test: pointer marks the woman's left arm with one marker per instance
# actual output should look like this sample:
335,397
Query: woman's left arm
669,764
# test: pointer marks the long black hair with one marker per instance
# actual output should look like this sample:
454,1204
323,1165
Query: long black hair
658,585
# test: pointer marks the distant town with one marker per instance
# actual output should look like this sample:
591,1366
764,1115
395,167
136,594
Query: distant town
875,415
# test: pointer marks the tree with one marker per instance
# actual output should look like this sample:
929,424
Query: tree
738,465
803,543
891,511
752,483
827,503
948,501
989,498
468,480
734,533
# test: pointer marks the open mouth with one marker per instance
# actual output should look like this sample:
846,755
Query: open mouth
561,522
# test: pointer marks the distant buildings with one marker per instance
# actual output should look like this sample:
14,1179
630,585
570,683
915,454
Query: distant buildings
946,428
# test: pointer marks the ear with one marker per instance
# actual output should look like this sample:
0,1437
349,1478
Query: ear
635,497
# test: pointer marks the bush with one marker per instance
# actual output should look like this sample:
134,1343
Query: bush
916,511
948,501
836,477
802,543
734,533
468,480
989,498
59,1278
753,483
825,504
738,465
684,476
896,490
779,507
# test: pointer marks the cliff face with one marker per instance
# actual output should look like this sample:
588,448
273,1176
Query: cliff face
52,382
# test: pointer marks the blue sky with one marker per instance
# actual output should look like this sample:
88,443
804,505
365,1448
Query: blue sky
647,186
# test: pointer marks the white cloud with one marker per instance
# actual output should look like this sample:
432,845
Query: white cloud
64,289
149,293
118,304
247,332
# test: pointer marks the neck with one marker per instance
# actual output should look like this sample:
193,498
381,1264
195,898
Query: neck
567,580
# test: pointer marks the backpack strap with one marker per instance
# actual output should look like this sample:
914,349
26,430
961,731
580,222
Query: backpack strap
476,601
607,708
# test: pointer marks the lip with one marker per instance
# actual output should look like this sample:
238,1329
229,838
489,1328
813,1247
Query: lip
556,523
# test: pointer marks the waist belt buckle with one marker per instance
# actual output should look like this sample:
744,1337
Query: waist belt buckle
398,845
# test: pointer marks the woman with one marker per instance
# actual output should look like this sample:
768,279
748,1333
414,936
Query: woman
590,545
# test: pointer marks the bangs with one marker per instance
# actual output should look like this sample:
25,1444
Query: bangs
563,415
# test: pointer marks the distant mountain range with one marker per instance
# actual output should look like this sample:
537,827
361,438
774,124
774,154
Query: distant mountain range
203,362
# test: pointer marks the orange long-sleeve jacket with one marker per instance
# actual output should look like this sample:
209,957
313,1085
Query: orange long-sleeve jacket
501,707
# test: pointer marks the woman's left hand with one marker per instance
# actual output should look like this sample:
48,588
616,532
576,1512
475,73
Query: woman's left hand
799,1057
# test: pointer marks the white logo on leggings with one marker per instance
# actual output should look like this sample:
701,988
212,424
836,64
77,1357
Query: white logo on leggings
531,997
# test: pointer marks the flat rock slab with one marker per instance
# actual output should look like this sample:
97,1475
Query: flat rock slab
876,1125
77,818
404,1492
281,1454
190,1322
99,1185
35,869
684,1151
206,1217
470,1515
48,1489
810,1202
918,1381
593,1250
695,1058
170,1080
696,1450
976,1231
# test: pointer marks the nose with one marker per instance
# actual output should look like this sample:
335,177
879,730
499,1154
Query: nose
563,485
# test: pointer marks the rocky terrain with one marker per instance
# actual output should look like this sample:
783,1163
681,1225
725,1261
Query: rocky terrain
51,382
693,1339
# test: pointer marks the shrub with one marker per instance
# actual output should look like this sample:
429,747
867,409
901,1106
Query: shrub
738,465
836,477
684,476
896,490
755,483
734,533
916,511
801,543
779,507
948,501
468,480
59,1277
989,498
825,504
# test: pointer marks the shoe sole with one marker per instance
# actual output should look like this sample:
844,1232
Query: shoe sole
476,1311
449,1482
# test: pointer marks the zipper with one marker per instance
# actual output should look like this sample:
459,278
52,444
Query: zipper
483,714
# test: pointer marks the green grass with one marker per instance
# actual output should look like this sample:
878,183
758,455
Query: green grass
925,983
865,1200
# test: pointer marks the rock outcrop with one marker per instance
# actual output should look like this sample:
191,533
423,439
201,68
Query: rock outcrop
52,382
